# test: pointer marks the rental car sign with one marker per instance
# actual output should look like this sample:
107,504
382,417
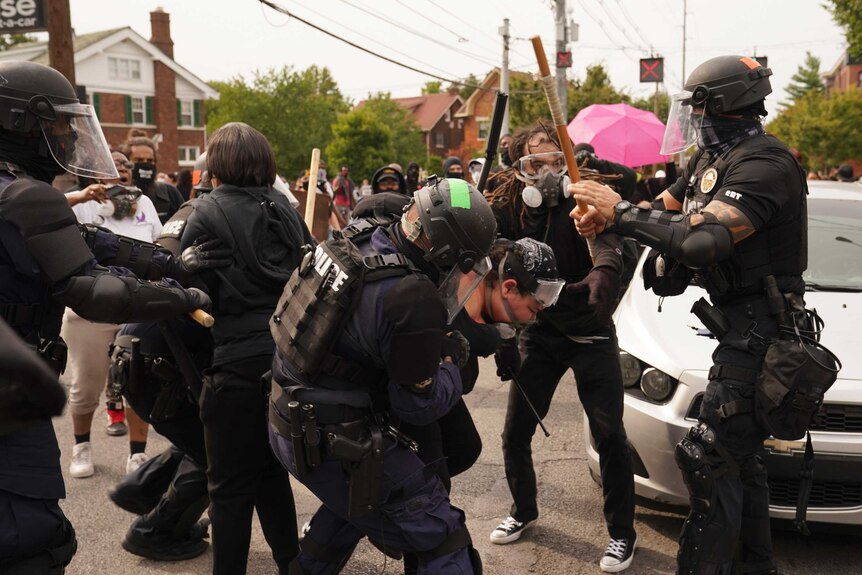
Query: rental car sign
18,16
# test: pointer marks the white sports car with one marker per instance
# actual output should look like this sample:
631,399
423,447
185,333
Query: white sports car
665,365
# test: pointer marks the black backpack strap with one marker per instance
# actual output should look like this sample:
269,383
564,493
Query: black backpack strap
806,481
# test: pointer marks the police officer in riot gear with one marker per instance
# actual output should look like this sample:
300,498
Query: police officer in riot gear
45,264
388,359
740,231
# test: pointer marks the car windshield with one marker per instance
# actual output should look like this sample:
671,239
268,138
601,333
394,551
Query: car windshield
834,245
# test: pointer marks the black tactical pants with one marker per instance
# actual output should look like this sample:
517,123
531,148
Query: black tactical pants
547,354
243,473
738,515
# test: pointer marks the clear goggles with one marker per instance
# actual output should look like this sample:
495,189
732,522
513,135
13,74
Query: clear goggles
545,291
81,147
548,291
534,166
683,124
457,287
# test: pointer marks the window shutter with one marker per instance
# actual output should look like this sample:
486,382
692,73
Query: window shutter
148,107
128,109
196,106
97,105
179,113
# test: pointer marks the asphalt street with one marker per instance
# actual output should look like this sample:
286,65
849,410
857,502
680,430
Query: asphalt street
568,538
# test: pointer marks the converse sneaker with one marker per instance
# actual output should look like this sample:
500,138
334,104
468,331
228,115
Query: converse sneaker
509,530
135,461
82,460
619,554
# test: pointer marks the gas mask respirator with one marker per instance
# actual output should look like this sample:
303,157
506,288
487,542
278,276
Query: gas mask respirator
546,179
122,202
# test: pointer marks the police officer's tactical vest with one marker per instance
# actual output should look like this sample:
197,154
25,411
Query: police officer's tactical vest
323,292
780,250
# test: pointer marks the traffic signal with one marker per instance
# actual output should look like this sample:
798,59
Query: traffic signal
652,70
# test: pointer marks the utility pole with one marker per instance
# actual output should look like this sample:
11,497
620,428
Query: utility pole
560,21
61,56
684,18
504,72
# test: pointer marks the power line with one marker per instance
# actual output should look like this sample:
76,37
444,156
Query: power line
287,12
632,23
372,13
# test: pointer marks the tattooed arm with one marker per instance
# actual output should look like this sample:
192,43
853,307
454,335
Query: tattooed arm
732,218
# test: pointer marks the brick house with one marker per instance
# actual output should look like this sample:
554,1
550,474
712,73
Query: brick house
846,75
135,82
435,116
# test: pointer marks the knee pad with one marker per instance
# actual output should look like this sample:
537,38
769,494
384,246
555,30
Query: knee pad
691,457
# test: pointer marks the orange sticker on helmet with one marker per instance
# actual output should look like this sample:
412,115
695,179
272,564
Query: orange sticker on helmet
750,62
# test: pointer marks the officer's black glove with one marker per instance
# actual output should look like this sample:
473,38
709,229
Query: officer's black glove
602,285
665,276
206,254
508,359
456,346
198,299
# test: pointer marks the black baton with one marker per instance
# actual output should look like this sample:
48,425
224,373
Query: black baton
493,138
530,405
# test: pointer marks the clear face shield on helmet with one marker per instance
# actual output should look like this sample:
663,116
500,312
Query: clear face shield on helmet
683,124
457,287
76,141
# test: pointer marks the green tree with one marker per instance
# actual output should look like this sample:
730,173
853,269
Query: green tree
824,130
527,102
848,15
648,103
432,87
596,88
805,80
463,90
402,145
295,110
9,40
361,140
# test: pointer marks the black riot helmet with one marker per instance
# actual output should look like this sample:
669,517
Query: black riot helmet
36,98
457,220
460,228
729,83
201,175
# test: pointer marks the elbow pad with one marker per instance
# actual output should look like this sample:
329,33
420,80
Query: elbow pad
670,233
107,298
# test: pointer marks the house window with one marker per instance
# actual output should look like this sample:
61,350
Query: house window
188,154
484,126
187,115
124,69
440,139
138,110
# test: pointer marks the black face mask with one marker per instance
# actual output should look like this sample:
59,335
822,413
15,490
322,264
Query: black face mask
144,174
455,175
504,157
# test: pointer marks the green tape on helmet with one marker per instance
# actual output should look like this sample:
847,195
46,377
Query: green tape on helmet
459,193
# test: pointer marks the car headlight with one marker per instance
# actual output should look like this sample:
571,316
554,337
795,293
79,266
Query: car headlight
631,368
657,385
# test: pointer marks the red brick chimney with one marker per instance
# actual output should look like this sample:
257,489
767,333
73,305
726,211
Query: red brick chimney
160,23
165,101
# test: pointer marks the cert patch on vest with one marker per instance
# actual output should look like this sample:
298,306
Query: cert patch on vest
708,180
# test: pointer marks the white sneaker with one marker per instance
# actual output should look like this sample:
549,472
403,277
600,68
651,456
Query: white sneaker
509,530
619,555
135,461
82,460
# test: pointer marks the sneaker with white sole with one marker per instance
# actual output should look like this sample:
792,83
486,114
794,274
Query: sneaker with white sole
619,555
82,460
509,530
135,461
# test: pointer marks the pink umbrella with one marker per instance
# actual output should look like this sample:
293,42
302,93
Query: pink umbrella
620,133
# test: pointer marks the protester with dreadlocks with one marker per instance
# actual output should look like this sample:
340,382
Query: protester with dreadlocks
577,333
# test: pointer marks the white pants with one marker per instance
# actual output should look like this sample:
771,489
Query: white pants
88,362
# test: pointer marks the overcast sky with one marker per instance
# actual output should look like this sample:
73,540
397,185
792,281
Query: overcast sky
218,39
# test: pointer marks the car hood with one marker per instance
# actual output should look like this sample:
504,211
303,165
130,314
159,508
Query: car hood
668,339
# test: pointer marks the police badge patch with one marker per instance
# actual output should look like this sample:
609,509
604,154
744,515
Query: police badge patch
708,180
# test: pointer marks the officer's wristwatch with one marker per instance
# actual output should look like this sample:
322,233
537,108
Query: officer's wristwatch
620,208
